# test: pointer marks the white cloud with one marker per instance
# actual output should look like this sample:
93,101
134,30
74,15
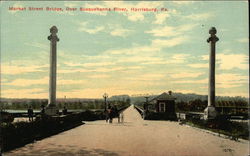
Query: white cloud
38,45
149,54
203,81
70,82
226,80
142,59
225,85
28,82
134,50
85,28
230,61
161,17
164,31
179,58
150,62
226,61
24,93
185,91
114,30
97,76
98,64
170,42
71,64
243,40
92,31
198,65
148,77
99,69
169,31
118,68
20,69
233,93
136,17
120,32
202,16
186,75
42,81
205,57
67,71
226,51
229,80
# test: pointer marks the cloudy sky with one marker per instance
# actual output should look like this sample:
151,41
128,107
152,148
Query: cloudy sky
124,52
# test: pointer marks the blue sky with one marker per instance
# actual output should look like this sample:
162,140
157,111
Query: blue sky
124,52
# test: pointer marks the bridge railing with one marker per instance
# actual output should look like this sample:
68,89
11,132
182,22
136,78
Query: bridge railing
140,110
122,109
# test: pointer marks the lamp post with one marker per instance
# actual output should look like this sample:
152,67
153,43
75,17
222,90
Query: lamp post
105,96
146,103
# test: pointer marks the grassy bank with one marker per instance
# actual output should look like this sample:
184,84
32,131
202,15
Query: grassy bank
233,130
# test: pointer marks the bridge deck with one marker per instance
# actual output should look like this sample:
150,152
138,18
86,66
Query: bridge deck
135,137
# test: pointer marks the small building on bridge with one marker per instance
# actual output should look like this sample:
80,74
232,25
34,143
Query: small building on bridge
164,103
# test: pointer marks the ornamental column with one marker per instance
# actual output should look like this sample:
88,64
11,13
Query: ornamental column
210,111
51,107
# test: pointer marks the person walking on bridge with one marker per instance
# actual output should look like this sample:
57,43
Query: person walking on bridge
120,117
111,114
30,113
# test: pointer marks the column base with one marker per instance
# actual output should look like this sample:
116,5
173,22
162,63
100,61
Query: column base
210,113
51,111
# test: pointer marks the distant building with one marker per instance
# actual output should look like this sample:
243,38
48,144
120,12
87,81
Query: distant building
164,103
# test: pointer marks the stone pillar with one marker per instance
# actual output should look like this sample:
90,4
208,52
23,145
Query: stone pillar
51,108
210,111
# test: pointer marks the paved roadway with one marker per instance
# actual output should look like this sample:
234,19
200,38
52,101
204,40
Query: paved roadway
134,137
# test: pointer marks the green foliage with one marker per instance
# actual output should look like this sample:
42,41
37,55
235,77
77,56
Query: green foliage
200,99
82,104
222,126
196,105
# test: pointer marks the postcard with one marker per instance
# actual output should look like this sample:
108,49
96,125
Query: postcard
129,78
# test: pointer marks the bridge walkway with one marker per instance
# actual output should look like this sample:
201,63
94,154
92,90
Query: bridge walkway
134,137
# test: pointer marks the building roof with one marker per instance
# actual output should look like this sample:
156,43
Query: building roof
164,96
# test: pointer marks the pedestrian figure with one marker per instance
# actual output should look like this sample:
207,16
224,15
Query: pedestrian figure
111,114
106,113
115,111
65,111
42,110
30,113
121,117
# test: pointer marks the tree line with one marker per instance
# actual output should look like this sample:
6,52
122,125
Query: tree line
69,104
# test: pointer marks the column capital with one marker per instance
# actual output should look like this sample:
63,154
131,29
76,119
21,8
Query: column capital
213,38
53,36
53,30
